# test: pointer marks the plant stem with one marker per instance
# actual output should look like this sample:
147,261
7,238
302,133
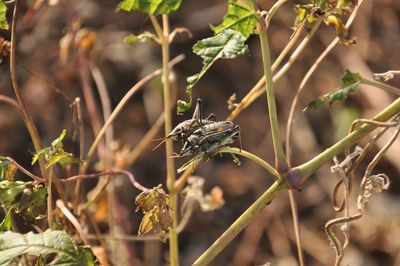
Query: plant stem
249,215
298,175
250,156
50,199
173,237
381,86
27,118
280,160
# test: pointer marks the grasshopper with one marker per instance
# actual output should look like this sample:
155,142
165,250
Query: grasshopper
205,133
203,142
184,129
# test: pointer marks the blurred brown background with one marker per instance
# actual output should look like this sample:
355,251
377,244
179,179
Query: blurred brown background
375,239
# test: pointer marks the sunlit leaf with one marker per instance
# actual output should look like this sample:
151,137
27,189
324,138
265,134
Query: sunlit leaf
63,158
7,170
3,18
55,154
6,224
227,44
241,17
155,7
350,81
341,30
57,243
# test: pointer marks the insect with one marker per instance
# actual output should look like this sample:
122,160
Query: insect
187,127
184,129
206,142
205,133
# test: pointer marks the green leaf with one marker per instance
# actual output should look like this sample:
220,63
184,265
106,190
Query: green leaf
6,224
350,81
58,243
63,158
241,17
155,7
227,44
55,153
21,195
3,18
182,106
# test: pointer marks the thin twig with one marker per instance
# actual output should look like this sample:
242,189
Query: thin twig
27,118
113,172
120,106
71,217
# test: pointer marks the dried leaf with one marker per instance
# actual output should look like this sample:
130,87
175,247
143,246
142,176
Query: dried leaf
157,219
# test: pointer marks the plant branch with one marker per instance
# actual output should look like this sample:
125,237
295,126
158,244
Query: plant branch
381,86
298,175
27,118
280,160
248,216
173,237
112,172
250,156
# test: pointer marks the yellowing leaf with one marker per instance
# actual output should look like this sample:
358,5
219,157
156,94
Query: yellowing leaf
341,30
3,18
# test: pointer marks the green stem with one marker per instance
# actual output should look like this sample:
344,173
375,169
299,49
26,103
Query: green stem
298,175
280,159
173,237
248,216
250,156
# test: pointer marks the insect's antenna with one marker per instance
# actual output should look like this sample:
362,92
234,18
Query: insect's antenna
159,139
159,144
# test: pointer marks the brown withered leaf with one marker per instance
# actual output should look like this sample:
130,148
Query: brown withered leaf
157,219
5,47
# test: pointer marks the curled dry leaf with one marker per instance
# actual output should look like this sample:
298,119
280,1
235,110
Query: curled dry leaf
157,219
194,192
5,47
